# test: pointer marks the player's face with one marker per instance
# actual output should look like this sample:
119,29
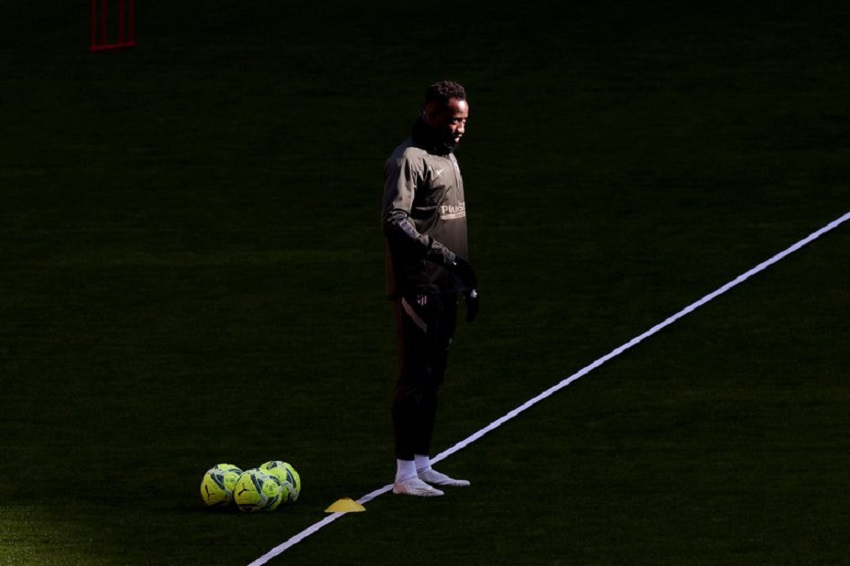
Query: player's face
449,121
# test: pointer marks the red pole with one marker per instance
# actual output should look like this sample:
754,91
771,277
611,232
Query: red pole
100,35
121,22
132,22
103,22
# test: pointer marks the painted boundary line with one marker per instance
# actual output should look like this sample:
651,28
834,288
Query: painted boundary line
554,389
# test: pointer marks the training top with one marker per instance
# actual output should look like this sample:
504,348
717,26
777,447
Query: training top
424,219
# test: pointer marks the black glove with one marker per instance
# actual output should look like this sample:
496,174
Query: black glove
464,271
471,305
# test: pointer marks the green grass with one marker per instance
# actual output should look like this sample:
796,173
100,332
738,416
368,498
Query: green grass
192,273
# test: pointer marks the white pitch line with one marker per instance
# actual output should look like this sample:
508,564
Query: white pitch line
554,389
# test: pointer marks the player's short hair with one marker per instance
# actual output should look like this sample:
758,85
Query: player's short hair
443,91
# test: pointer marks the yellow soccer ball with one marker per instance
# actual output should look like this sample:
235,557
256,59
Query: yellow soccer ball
217,485
289,478
257,491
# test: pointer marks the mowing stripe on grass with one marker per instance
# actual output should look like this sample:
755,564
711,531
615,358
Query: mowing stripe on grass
554,389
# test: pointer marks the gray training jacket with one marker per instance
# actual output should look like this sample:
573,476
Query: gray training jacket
424,221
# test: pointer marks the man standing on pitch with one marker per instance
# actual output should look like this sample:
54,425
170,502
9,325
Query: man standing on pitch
424,223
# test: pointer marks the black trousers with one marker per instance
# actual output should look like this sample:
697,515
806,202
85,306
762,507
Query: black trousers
425,327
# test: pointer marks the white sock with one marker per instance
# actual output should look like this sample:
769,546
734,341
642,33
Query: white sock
405,470
423,463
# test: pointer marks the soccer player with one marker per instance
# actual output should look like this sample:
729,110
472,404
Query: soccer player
424,223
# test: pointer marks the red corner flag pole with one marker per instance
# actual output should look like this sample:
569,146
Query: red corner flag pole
103,24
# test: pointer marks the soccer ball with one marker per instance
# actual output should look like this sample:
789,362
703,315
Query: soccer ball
289,478
257,491
217,485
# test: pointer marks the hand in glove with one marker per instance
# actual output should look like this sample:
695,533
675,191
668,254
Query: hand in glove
471,305
463,270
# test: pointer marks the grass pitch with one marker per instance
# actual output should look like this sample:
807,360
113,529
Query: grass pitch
192,273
